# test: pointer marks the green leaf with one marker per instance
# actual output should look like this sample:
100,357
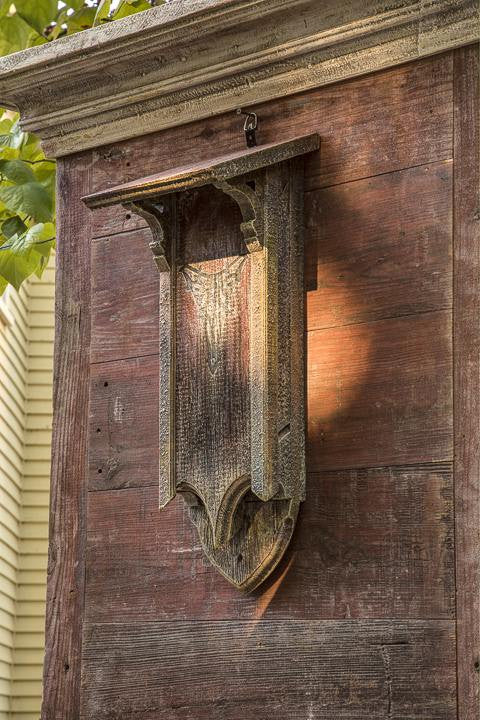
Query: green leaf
13,226
44,171
30,148
40,237
78,5
130,7
81,20
16,267
30,198
3,285
37,13
9,153
35,39
17,171
25,254
103,11
14,33
4,7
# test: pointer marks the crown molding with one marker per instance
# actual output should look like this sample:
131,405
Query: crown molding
192,59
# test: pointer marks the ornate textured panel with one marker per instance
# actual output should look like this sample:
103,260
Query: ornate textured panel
227,241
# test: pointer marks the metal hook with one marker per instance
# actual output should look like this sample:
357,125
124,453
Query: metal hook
250,127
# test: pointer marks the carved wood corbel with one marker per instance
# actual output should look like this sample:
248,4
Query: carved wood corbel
227,241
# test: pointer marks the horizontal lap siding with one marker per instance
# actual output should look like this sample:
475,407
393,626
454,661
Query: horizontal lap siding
36,318
261,669
347,558
13,398
166,636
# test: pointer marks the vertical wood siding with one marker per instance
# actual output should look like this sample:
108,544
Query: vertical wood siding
359,620
26,349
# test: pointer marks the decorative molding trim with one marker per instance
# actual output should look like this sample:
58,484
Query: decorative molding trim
192,59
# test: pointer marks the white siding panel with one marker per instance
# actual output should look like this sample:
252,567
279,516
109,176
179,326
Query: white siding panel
26,361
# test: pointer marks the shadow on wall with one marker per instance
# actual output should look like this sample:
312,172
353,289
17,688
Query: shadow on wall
379,385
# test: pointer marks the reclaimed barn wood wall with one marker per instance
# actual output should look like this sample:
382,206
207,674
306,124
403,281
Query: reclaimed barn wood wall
360,618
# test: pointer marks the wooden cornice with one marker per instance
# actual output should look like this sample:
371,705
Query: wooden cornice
192,59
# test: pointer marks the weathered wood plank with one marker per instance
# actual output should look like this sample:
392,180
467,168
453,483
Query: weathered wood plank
467,375
123,447
287,670
125,291
386,121
380,247
66,565
380,393
373,543
376,248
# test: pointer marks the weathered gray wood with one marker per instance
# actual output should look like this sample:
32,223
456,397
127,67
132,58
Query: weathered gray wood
197,59
289,670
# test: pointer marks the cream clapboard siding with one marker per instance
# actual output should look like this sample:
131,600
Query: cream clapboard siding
23,627
13,394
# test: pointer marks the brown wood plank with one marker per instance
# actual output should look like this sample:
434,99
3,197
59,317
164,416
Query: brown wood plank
66,564
125,291
113,220
123,448
374,124
467,375
380,247
373,543
288,670
375,248
209,171
380,393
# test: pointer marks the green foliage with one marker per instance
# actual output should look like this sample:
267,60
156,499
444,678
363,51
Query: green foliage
27,177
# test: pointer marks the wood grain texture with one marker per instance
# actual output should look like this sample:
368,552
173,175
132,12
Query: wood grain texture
123,445
386,121
376,248
288,670
228,243
375,538
215,170
467,376
124,297
380,247
374,543
380,393
66,564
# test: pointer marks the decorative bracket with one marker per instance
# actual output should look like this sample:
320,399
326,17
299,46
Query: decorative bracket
228,244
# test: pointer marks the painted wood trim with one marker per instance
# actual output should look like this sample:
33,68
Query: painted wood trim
466,335
191,60
66,562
